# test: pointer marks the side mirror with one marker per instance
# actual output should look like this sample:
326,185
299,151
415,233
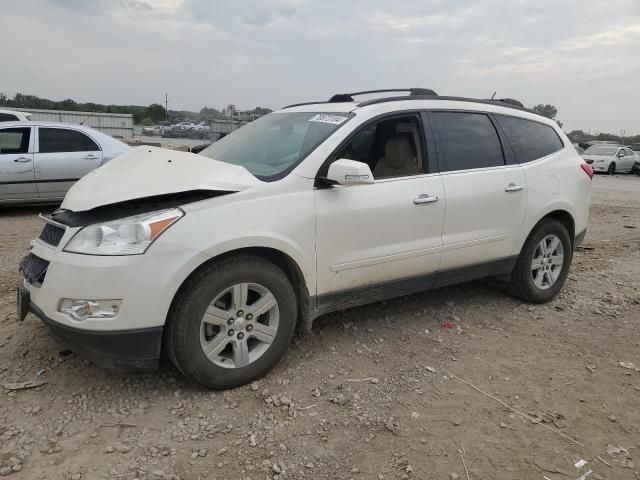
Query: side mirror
349,172
620,154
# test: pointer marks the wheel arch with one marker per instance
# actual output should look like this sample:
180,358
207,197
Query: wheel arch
279,258
562,215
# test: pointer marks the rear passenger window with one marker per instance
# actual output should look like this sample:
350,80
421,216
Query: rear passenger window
467,140
55,140
14,140
529,140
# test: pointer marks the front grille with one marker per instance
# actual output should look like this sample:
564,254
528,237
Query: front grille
51,234
33,268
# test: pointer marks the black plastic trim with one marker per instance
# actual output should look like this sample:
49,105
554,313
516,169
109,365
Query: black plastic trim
344,299
579,238
22,182
127,350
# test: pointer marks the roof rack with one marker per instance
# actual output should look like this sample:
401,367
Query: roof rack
348,97
415,94
503,102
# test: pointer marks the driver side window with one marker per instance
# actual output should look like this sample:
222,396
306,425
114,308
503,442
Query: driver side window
391,147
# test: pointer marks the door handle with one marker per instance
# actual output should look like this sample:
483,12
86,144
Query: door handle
22,160
90,157
512,187
424,198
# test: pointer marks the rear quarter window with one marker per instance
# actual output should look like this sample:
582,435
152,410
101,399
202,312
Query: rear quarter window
529,140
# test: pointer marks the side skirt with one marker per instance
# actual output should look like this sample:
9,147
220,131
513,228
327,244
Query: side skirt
342,300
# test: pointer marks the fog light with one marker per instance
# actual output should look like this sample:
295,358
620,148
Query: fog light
82,309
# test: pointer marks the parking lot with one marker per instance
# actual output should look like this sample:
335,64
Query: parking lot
461,383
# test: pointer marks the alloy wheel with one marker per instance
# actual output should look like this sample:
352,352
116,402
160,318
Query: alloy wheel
239,325
547,263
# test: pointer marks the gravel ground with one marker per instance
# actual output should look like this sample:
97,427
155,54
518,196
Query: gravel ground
511,391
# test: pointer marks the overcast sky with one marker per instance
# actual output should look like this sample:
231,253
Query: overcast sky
581,55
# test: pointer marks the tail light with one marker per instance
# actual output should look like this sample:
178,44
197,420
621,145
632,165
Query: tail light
588,169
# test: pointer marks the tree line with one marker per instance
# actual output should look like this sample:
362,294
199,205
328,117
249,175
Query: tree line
148,115
575,136
155,113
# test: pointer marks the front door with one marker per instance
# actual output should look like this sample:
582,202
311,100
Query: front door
64,156
17,177
486,197
388,231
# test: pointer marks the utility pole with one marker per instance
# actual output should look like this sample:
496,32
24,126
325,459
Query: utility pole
166,107
622,133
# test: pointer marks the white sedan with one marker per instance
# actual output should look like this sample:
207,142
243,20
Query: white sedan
611,159
39,161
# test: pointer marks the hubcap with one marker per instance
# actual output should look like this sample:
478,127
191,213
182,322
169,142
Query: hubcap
239,325
548,259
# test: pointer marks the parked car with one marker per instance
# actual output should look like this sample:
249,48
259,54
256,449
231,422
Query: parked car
39,161
152,131
180,129
14,116
610,158
216,257
635,147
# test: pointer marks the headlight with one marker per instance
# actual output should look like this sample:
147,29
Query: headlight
126,236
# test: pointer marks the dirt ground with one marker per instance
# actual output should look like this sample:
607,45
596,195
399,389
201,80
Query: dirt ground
386,391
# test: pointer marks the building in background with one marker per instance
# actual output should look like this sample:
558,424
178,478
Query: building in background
119,125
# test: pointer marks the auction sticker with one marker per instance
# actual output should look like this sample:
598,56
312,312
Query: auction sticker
324,118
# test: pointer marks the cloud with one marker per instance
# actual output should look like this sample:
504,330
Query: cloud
580,55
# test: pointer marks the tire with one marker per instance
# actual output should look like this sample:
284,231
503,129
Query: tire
612,168
242,351
527,282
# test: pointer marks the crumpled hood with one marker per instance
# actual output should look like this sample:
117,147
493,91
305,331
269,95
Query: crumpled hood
150,171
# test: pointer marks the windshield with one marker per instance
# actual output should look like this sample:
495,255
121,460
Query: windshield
600,150
273,145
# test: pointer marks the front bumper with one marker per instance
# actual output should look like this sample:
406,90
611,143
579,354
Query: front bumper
127,350
145,285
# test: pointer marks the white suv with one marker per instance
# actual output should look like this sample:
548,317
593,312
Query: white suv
215,258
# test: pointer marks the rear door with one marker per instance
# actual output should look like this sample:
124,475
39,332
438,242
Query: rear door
64,155
17,177
486,195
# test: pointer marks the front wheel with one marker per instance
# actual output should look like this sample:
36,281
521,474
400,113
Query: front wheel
543,263
612,168
231,322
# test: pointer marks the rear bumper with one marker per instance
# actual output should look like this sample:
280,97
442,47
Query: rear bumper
126,350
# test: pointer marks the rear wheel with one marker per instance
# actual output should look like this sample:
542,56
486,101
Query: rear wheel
543,263
612,168
232,322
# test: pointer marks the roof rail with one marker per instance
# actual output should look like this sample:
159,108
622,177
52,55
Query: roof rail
348,97
505,102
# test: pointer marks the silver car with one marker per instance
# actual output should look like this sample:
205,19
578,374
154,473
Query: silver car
39,161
